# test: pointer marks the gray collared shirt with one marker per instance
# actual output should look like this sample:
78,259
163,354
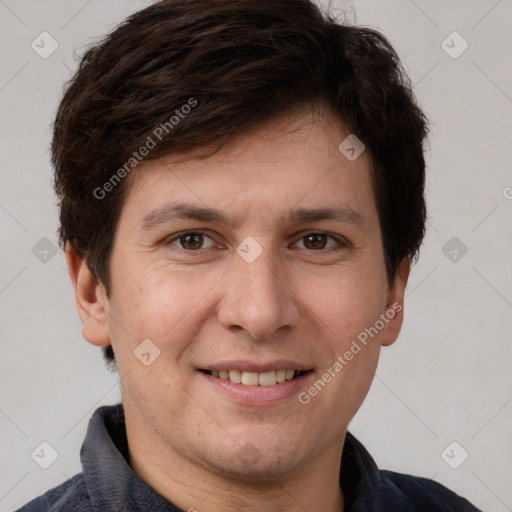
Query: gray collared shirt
108,484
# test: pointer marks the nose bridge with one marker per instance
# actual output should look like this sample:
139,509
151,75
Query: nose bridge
257,299
261,276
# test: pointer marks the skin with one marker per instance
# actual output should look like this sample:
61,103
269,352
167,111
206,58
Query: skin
304,299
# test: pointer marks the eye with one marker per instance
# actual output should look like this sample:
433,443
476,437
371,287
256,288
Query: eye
192,241
320,241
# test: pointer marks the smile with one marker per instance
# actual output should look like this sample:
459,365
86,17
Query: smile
247,378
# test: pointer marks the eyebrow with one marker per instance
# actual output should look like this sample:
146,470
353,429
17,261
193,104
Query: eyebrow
170,212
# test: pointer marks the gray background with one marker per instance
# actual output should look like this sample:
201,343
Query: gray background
446,379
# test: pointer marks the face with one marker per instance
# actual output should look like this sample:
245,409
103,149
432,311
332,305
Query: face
260,263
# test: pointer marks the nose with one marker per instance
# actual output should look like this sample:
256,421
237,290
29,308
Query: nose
258,299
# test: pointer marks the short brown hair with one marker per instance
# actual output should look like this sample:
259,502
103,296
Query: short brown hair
243,62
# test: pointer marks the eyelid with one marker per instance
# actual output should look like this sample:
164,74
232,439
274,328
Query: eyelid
173,238
341,241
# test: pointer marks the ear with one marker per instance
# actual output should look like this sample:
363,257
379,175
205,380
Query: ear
90,300
395,304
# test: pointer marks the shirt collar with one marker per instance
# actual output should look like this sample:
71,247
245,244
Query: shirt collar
111,482
360,478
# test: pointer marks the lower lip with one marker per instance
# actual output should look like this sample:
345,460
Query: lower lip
259,395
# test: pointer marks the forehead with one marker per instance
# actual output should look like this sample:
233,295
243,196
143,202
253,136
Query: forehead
292,161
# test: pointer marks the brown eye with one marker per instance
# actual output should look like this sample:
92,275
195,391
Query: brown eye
315,241
192,241
321,242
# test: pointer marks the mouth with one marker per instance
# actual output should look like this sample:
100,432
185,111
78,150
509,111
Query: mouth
249,378
255,384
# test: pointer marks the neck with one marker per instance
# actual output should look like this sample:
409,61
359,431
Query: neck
192,486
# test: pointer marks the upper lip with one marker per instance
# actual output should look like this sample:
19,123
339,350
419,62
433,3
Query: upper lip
252,366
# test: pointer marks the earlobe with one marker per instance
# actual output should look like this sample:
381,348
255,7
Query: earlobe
90,300
395,304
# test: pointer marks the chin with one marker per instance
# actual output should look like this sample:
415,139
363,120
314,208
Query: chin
256,454
251,466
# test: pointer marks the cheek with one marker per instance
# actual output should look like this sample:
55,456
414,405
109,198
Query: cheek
350,351
354,305
347,305
161,304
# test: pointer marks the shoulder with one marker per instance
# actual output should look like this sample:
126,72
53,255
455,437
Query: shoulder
70,496
369,488
422,494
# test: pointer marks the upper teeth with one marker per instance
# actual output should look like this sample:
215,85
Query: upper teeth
254,378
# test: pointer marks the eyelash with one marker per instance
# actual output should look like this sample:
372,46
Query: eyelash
341,243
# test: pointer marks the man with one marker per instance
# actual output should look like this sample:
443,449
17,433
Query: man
241,186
